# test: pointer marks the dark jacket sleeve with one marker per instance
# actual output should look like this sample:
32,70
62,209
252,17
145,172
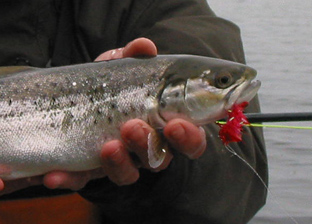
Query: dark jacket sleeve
217,188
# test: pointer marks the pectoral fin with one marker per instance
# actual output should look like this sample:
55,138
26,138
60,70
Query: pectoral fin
157,149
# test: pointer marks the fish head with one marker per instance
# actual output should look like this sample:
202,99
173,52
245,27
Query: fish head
202,89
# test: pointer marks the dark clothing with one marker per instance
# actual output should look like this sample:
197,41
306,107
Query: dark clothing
218,187
78,31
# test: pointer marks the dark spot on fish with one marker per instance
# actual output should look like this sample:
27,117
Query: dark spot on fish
109,119
11,114
154,75
195,67
10,102
125,113
113,106
163,104
98,89
53,84
37,85
113,94
68,119
44,95
91,99
132,108
89,80
34,102
177,94
148,94
95,121
72,103
141,85
52,125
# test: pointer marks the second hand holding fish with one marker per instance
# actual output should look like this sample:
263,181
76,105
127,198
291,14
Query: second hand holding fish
116,161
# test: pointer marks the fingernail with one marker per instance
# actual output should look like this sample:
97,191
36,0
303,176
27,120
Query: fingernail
116,157
140,130
113,52
202,132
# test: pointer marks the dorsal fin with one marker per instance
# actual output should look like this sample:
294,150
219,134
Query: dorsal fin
6,70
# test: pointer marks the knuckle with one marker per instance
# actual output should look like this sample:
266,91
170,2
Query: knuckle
126,179
135,132
117,158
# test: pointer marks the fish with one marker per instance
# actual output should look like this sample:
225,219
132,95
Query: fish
58,118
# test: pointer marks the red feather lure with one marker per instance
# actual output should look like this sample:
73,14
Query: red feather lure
231,131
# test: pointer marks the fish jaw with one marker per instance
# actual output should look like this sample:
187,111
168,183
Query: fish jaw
245,90
249,92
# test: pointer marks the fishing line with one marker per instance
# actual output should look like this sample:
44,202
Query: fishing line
270,193
231,150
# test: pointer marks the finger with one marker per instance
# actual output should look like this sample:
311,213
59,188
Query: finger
140,47
186,137
137,47
111,54
15,185
135,134
118,164
71,180
1,185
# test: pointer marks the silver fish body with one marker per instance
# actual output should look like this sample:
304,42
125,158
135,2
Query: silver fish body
58,118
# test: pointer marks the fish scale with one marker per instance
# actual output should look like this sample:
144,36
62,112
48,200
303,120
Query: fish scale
59,118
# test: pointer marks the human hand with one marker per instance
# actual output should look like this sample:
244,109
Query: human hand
117,162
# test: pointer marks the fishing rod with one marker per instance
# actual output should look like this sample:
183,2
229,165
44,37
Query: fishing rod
256,119
278,117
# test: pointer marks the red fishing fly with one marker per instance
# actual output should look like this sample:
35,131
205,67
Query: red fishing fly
231,131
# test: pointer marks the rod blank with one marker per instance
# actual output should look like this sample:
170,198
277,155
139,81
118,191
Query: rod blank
278,117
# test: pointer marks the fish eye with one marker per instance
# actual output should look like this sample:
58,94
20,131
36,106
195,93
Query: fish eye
223,79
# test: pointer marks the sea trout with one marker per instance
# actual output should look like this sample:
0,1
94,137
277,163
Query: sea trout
59,118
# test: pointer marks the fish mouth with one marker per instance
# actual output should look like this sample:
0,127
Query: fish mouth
243,91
